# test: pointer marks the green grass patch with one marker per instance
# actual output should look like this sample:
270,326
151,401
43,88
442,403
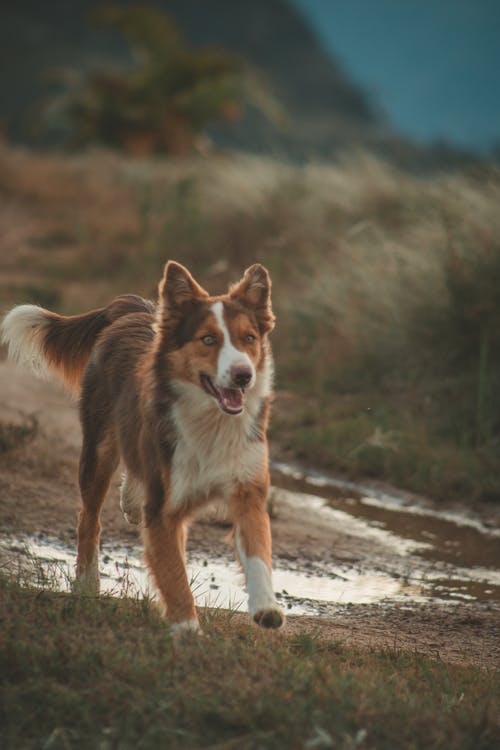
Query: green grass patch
404,436
83,673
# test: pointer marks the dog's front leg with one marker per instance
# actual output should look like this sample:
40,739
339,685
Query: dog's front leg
164,546
252,531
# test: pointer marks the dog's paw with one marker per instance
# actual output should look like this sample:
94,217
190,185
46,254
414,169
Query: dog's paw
186,629
269,618
85,585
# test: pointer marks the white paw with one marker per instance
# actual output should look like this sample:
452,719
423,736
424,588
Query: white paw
270,617
185,629
86,585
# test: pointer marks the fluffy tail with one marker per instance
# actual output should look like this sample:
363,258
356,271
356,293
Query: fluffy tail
48,342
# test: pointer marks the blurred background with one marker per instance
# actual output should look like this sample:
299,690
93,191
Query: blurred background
411,80
351,147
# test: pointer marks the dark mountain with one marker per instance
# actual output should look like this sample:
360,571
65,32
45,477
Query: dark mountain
326,111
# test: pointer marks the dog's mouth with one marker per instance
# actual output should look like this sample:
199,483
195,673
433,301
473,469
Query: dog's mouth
230,400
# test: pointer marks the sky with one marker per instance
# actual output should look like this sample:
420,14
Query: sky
433,66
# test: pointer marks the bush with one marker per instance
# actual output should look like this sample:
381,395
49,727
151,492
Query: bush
169,97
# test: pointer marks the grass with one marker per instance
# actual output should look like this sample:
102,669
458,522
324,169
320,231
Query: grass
385,288
84,673
14,434
388,365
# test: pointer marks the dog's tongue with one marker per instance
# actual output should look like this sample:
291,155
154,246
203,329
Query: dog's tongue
232,398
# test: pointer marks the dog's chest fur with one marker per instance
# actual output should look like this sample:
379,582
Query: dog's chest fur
213,451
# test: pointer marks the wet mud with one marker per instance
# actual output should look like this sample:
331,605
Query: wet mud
368,566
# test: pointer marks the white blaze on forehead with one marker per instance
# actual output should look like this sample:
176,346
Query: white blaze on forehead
229,355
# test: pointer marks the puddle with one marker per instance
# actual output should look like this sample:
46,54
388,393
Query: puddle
418,571
215,583
434,535
219,583
318,510
429,556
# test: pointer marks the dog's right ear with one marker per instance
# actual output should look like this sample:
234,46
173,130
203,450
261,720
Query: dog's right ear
178,290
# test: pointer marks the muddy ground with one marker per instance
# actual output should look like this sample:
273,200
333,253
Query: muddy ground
38,495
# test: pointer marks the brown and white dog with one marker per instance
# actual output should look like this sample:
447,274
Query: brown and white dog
181,391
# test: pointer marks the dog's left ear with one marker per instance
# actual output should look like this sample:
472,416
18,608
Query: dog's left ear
254,291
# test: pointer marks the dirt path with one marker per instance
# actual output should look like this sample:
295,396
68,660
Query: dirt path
38,495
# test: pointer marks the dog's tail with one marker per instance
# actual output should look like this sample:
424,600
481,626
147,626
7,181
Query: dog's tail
48,342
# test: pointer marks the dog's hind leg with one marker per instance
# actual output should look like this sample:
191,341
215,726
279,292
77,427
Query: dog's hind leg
131,499
98,461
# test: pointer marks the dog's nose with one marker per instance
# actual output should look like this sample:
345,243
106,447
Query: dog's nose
241,376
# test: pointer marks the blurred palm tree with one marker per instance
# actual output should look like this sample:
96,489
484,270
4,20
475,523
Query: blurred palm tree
170,96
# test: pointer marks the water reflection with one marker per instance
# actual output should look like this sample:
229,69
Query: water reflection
433,535
433,555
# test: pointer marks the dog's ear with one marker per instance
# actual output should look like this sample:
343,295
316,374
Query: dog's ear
254,292
178,290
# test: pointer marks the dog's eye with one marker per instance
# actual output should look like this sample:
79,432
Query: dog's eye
209,340
250,338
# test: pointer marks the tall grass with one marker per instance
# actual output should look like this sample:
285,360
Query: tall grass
385,287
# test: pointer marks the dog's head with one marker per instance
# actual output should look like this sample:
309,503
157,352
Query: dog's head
216,343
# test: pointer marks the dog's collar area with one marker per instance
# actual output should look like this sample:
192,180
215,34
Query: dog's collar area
230,400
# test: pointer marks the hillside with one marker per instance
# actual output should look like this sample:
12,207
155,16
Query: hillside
385,288
327,112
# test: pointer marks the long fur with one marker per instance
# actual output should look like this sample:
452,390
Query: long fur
181,393
47,342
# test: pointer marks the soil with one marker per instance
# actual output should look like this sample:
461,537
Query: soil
38,495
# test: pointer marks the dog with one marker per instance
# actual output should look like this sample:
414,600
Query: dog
180,391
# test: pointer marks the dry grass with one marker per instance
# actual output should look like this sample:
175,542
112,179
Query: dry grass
83,673
383,334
